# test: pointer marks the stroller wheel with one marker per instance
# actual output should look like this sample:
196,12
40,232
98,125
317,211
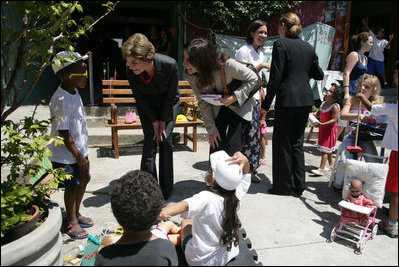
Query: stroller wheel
362,246
374,233
332,235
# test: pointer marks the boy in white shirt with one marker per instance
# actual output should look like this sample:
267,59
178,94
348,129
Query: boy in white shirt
70,123
376,55
210,234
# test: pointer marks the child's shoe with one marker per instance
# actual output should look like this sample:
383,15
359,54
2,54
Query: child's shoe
318,172
390,230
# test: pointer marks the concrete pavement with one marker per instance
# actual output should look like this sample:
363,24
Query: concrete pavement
284,230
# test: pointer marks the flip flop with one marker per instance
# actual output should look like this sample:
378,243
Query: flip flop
75,233
84,221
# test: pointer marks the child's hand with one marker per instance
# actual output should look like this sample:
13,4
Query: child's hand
163,215
239,158
316,124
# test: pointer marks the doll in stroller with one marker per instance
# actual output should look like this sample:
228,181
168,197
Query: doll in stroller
357,221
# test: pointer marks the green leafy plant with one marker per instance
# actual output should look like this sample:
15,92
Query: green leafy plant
23,147
32,33
227,16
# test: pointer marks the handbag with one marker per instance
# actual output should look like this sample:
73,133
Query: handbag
228,89
130,116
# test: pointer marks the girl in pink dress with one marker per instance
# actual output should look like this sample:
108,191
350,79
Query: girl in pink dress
328,128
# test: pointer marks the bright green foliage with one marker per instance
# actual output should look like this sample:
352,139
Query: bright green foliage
23,146
32,32
227,16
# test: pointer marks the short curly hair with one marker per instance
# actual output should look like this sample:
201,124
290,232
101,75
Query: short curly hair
136,200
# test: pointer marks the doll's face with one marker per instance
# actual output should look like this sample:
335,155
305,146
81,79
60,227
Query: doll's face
356,188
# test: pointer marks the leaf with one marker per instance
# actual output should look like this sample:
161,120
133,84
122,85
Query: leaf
57,62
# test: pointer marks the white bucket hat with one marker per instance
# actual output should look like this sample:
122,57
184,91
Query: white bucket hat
227,176
75,56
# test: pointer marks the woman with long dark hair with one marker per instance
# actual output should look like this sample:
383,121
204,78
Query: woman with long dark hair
251,52
224,123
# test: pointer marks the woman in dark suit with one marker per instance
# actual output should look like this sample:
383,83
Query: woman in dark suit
294,62
154,81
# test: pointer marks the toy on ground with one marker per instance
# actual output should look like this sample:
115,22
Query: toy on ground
354,233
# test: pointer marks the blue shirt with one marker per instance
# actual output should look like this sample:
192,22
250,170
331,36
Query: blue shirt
356,74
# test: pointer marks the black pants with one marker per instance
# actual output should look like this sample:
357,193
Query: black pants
165,152
230,127
288,156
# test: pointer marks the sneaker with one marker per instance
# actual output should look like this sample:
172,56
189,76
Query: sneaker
318,172
389,230
328,168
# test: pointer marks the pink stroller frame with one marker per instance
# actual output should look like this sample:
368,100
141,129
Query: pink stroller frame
354,233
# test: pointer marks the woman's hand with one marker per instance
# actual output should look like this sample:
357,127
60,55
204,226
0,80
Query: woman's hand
228,100
162,133
213,140
240,159
155,124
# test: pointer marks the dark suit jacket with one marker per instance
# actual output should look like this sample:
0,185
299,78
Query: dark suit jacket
157,98
294,62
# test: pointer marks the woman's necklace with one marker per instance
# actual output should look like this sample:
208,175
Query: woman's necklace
152,75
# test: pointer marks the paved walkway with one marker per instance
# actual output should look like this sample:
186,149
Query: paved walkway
284,230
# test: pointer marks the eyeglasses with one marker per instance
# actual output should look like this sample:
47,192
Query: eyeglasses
79,74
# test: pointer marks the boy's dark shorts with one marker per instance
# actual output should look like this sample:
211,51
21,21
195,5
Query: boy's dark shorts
184,242
72,169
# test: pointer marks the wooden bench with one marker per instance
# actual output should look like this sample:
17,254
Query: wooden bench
119,91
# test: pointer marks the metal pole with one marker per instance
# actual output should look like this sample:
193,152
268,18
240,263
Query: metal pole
91,78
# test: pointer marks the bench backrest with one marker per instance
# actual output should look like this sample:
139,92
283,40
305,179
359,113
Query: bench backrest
119,91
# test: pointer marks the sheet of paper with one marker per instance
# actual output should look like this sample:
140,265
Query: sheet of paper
211,99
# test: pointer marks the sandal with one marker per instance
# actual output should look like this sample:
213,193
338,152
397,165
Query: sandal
85,222
75,234
318,172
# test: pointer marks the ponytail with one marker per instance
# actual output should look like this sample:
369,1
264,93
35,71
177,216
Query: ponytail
230,222
293,23
356,40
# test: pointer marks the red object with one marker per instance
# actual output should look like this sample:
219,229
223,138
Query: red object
152,75
354,149
392,179
91,255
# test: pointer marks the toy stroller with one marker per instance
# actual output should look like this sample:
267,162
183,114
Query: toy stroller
373,177
356,233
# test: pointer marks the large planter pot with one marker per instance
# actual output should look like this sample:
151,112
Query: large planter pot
40,247
23,228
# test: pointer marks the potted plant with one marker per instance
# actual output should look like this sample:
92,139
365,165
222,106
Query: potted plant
32,32
23,148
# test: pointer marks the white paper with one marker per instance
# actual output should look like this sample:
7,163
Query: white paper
211,99
312,119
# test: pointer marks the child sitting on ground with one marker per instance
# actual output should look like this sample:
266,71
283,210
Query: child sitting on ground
210,234
328,128
356,196
136,200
